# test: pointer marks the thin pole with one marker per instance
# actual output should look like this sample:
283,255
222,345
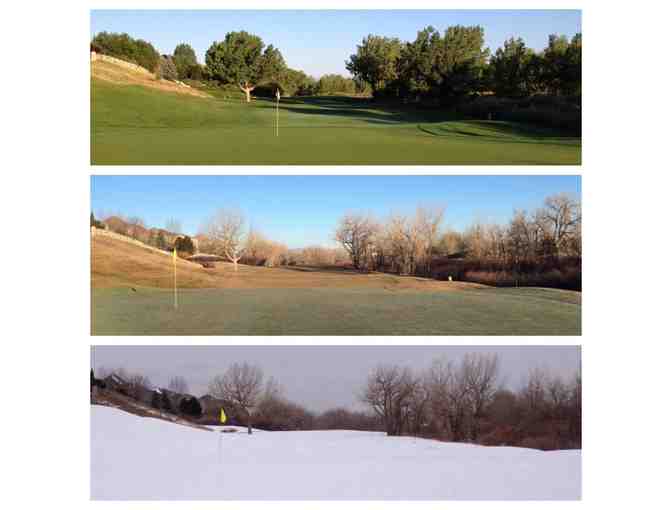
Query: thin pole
277,112
175,277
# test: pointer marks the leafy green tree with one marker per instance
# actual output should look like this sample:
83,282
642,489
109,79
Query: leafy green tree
123,46
184,58
335,84
572,85
297,83
375,61
510,69
416,63
562,65
459,61
242,60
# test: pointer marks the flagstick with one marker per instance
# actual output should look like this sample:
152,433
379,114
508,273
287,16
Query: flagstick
175,279
277,113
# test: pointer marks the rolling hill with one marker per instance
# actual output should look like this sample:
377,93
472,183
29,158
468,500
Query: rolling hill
141,458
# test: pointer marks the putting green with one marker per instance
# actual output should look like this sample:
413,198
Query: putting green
132,124
328,311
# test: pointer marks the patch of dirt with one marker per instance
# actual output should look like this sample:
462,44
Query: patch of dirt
112,73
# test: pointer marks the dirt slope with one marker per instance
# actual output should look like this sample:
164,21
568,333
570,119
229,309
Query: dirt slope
112,72
116,263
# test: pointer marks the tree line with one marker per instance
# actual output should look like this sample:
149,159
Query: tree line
446,67
465,401
532,248
455,63
455,400
241,60
538,248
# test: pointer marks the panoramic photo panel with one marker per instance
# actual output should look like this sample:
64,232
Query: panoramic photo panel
336,422
336,255
335,87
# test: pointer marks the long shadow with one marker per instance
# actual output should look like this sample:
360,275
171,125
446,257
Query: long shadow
368,111
323,269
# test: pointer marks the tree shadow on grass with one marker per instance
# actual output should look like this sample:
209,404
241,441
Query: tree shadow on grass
324,269
432,122
357,108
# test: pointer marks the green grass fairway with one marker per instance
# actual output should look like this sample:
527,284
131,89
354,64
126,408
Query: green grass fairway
132,124
314,311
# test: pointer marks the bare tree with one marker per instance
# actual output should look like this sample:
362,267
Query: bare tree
137,384
560,220
355,232
533,393
480,376
428,220
135,226
178,384
389,391
241,385
450,399
226,231
174,226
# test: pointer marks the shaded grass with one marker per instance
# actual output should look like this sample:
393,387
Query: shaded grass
315,311
138,125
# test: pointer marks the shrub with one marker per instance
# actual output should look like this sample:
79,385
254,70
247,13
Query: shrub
184,244
190,406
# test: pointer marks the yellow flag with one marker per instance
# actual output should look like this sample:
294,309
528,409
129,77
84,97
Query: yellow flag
222,416
174,256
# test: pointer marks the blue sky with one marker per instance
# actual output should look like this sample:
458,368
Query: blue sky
319,41
304,210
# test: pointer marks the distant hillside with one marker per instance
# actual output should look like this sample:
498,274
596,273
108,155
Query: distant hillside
141,232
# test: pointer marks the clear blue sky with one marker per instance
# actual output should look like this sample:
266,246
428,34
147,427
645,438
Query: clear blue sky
304,210
319,41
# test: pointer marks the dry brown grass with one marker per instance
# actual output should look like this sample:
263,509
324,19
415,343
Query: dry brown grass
110,72
116,263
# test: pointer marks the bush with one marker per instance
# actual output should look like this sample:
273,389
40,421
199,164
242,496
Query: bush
190,406
184,244
562,113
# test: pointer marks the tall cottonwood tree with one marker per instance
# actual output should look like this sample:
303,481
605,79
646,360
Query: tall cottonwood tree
226,234
375,61
242,59
389,391
356,233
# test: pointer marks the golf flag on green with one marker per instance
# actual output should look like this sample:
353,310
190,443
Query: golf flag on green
222,416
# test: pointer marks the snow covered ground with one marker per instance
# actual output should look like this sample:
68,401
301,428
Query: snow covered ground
134,458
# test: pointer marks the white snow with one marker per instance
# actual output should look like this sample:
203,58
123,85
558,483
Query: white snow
135,458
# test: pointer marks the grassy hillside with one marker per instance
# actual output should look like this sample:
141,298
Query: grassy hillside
132,295
138,124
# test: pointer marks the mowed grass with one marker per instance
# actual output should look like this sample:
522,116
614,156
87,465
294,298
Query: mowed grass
132,124
334,311
132,295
